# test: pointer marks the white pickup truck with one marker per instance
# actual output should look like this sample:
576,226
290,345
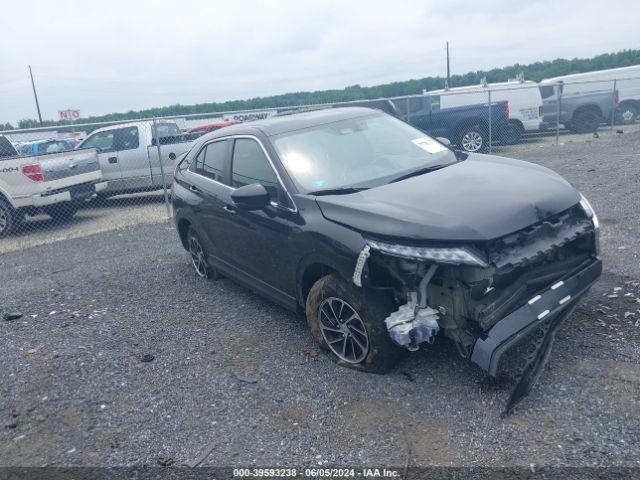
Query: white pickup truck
129,156
52,183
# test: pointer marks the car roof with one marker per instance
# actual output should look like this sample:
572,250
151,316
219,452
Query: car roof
295,121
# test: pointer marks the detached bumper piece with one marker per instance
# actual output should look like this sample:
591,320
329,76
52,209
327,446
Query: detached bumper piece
544,312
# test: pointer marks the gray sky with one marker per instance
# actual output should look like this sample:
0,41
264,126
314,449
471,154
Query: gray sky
115,55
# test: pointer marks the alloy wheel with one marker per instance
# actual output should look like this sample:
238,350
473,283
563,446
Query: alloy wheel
628,115
472,141
197,257
343,330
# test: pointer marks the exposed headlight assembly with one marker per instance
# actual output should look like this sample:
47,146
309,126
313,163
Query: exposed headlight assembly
588,209
453,255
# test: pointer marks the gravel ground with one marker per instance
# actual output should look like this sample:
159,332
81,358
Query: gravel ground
230,368
110,214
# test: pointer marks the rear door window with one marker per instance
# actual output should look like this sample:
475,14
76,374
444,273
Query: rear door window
127,139
251,165
210,162
547,91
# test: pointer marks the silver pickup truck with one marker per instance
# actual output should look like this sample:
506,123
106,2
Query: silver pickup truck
580,112
129,157
52,183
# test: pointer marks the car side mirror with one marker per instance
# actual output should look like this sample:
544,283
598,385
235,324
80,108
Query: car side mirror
251,197
445,141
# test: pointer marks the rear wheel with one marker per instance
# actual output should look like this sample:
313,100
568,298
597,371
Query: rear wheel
62,211
199,256
348,322
626,114
585,121
8,219
473,138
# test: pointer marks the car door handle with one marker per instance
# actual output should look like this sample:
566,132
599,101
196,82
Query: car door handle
113,159
229,208
193,188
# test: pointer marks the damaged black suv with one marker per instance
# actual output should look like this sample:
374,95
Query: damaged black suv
387,239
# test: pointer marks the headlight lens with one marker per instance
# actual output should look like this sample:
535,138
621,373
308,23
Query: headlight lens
588,209
455,256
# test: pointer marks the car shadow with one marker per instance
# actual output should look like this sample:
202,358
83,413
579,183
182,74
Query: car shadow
44,223
124,201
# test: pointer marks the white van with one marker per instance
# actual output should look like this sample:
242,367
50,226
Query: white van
627,83
525,104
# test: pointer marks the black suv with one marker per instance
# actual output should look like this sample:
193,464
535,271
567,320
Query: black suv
386,239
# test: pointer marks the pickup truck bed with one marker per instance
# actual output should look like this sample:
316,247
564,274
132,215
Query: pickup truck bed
52,183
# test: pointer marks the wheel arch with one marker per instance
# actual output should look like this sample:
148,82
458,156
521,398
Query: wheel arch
310,270
587,107
470,122
183,230
4,197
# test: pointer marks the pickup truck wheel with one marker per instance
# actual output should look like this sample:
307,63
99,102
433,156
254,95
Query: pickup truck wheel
626,114
348,322
511,133
472,139
199,257
61,212
585,121
8,219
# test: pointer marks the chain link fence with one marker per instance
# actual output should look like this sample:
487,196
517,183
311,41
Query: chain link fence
74,180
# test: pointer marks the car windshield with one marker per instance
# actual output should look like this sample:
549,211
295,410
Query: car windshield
359,152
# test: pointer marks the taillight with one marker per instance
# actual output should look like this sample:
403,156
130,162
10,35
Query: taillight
540,110
616,97
505,110
33,172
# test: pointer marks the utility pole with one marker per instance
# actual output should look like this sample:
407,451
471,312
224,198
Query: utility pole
35,95
448,72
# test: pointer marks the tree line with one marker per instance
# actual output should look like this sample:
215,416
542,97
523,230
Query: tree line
533,71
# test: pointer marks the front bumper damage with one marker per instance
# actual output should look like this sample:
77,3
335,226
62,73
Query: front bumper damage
554,306
499,302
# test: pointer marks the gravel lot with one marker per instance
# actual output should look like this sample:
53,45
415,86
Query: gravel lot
233,369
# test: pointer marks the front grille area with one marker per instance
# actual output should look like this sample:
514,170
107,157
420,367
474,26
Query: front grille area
532,244
530,260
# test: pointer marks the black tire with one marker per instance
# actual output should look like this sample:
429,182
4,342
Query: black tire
9,219
585,121
626,114
371,308
61,212
473,138
198,256
511,133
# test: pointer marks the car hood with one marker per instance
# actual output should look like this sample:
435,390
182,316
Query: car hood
481,198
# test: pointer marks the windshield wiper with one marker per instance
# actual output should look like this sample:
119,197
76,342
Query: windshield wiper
420,171
338,191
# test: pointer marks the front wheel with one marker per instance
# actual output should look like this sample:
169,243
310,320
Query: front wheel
585,121
62,211
348,322
473,139
199,257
